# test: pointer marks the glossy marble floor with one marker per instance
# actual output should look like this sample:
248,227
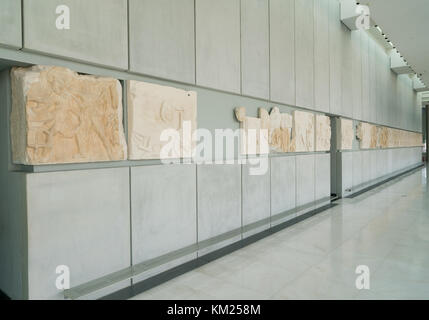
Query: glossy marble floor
386,229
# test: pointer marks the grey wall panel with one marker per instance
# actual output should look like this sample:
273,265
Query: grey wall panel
97,34
401,107
305,179
380,82
80,219
255,48
218,44
256,196
10,23
13,209
384,160
357,169
283,187
163,207
13,235
372,81
304,53
390,160
321,55
219,199
282,51
365,77
335,57
366,166
357,74
162,38
380,163
373,164
346,73
322,169
346,173
393,96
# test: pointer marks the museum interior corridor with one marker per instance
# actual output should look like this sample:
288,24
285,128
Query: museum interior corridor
386,228
214,149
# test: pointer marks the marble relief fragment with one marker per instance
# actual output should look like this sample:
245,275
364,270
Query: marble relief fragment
280,131
323,133
253,139
59,116
270,131
303,131
372,137
158,117
383,137
366,133
345,134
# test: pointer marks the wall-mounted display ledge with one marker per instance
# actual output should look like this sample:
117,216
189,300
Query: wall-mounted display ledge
135,270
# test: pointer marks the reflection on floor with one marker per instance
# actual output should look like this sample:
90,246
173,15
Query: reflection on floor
386,229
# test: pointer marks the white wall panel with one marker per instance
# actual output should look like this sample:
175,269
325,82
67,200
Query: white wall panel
366,111
282,50
356,38
305,179
335,52
322,167
304,53
98,30
357,169
321,55
162,38
218,44
80,219
372,81
10,23
283,177
219,199
255,48
366,166
163,215
346,73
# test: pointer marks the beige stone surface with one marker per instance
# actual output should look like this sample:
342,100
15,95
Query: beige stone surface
280,136
323,133
269,132
396,138
254,132
303,131
161,121
366,133
372,136
383,137
345,134
59,116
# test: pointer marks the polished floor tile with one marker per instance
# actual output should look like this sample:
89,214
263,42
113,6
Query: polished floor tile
385,229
